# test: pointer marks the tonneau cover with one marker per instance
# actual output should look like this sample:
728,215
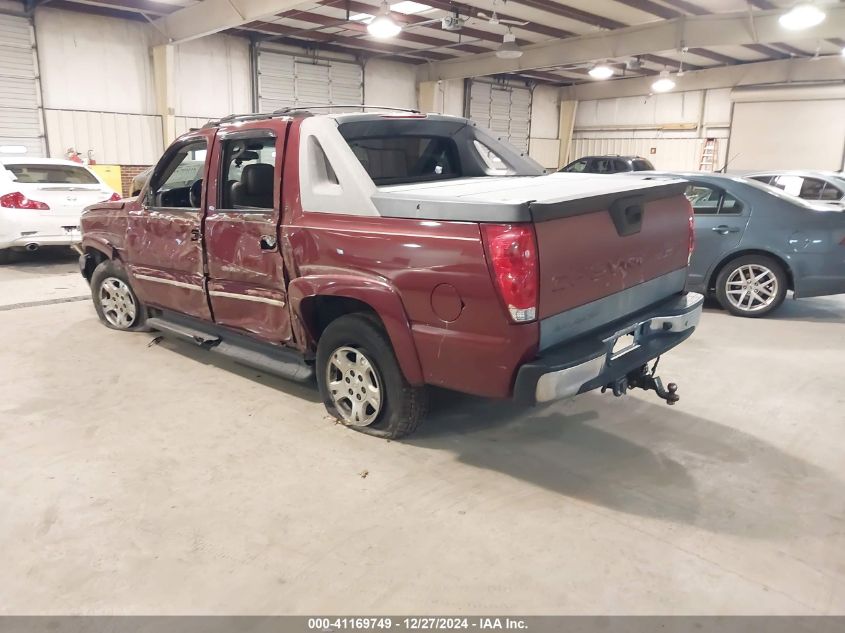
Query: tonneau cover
518,198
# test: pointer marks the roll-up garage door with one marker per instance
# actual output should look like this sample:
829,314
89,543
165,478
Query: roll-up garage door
20,107
788,135
506,110
285,80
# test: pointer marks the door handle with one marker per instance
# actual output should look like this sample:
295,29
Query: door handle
724,229
268,243
195,235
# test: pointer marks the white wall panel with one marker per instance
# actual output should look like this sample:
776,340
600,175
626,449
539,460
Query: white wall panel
115,138
788,135
390,84
92,62
187,123
212,77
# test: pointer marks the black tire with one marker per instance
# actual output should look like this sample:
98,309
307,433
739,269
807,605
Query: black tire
736,272
105,273
402,406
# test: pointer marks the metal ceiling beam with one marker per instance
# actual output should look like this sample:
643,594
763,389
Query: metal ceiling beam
361,29
782,71
213,16
724,29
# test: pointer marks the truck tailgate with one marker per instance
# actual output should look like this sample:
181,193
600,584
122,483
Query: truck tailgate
607,255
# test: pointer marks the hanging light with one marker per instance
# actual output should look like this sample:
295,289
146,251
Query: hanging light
508,48
664,82
600,71
383,26
802,16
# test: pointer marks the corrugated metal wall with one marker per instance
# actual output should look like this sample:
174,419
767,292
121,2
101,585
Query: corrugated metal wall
115,138
20,101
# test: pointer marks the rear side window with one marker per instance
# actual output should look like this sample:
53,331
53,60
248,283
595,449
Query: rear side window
577,166
51,174
831,193
641,164
604,166
401,159
620,165
764,179
811,189
248,168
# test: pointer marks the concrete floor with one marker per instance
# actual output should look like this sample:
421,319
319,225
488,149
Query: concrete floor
141,478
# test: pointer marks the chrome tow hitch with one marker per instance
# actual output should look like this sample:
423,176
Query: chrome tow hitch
644,378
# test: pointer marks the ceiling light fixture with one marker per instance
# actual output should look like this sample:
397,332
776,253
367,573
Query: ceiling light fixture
802,16
508,48
383,26
664,82
601,72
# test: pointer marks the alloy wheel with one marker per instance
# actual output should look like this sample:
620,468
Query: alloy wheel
354,386
752,287
118,303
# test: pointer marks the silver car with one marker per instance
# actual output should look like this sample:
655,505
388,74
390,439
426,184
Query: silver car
816,186
755,242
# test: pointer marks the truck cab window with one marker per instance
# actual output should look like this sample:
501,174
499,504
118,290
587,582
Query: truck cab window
248,173
179,183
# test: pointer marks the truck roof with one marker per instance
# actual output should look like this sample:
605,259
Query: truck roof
370,113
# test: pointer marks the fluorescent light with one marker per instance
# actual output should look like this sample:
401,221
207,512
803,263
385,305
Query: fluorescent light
802,16
409,8
843,51
361,17
601,71
664,83
383,26
508,49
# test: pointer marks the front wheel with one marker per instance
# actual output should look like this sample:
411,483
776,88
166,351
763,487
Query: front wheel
114,300
360,380
751,286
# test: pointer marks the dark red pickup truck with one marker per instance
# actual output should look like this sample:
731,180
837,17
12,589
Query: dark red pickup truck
385,252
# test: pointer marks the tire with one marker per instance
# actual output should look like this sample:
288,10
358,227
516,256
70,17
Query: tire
115,301
743,284
354,352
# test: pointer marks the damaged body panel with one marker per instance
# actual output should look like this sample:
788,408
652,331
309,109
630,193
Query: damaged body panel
483,274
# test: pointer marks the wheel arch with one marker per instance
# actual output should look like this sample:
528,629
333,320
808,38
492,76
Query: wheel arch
727,259
316,301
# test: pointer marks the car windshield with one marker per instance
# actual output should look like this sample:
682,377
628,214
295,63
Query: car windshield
30,173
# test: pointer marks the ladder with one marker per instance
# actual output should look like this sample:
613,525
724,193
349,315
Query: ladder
709,154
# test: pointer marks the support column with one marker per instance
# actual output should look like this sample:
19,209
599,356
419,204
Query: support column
568,109
165,89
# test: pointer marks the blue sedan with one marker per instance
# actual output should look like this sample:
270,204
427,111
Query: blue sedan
754,242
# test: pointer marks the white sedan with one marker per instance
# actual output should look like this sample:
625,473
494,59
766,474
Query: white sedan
41,200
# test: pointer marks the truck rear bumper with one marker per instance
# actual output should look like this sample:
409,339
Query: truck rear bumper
596,359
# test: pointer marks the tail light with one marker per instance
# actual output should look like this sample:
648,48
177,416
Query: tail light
16,200
691,246
115,197
512,253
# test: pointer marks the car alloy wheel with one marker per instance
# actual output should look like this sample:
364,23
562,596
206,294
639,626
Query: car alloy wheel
354,385
752,287
118,303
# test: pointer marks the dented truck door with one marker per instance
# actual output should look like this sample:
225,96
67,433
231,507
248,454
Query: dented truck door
246,276
164,235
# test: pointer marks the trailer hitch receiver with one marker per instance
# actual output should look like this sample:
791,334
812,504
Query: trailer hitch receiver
644,378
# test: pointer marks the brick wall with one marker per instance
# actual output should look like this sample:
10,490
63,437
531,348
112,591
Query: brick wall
127,173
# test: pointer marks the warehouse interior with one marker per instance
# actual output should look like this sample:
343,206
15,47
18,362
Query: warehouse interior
142,477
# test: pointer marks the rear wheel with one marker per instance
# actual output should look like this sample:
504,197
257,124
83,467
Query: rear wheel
361,382
114,300
751,286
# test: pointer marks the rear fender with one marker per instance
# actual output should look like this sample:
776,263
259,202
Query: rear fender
381,297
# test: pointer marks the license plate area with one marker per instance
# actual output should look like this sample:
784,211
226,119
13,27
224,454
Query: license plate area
624,343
